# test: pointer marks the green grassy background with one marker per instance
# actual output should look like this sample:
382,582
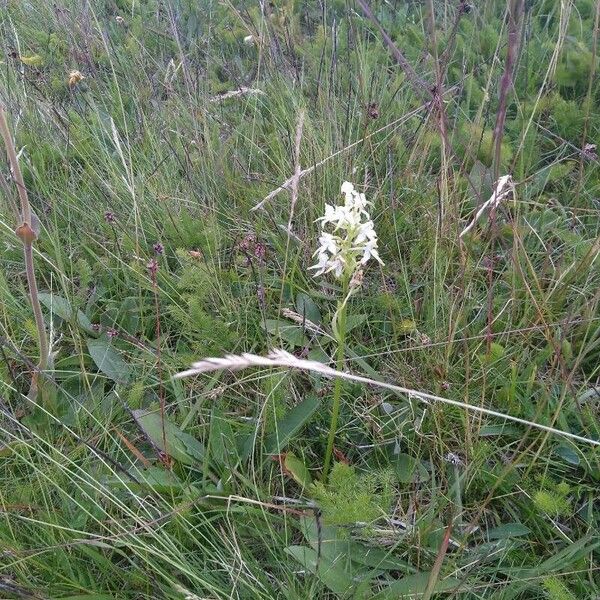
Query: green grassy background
144,151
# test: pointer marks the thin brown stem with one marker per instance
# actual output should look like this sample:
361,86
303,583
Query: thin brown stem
26,231
153,269
588,102
14,165
515,10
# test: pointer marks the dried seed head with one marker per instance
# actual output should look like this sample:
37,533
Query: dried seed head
75,77
26,234
357,279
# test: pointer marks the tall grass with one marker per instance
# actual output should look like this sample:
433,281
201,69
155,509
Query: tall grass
136,484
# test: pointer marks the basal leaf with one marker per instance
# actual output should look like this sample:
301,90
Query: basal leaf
292,423
306,307
353,321
179,445
108,360
414,586
507,530
62,308
297,469
332,575
292,334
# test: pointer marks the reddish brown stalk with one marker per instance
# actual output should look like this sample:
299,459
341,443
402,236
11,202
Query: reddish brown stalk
437,565
433,93
419,85
27,233
582,153
515,10
153,269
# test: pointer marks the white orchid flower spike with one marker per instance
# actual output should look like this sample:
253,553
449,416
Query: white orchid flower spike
352,239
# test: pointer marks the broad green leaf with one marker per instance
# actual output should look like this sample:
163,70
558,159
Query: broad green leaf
568,454
58,305
306,307
335,546
292,423
84,322
108,360
353,321
33,60
332,575
62,308
297,469
496,353
405,466
504,429
155,478
507,530
319,355
179,445
414,586
222,440
292,334
357,360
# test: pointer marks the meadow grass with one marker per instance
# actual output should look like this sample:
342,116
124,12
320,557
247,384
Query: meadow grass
123,481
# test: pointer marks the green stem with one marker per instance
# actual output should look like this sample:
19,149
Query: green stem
340,325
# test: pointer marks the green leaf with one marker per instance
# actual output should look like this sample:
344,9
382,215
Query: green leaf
407,326
507,530
338,547
62,308
496,353
353,321
297,469
405,466
292,423
504,429
179,445
292,334
89,597
319,355
415,585
362,363
333,576
568,454
108,360
156,478
306,307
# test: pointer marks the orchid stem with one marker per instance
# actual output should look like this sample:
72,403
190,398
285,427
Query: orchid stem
340,329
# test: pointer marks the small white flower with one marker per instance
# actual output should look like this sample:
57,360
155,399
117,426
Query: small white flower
370,251
328,243
338,266
322,265
332,215
366,231
347,188
354,239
